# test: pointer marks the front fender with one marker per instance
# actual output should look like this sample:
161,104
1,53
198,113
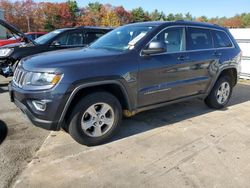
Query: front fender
79,87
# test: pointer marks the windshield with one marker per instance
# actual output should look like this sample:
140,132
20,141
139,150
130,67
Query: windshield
45,38
122,38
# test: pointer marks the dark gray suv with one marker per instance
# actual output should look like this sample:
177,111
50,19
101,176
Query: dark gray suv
134,68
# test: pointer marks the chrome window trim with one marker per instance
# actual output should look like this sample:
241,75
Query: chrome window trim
185,51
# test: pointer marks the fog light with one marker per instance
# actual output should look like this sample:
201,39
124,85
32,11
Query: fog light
39,105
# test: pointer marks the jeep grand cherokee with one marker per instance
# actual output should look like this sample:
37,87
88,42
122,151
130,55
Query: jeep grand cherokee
131,69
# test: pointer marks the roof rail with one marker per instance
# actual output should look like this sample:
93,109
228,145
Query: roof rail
179,20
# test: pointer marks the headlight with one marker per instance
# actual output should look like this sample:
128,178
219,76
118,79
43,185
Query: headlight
4,52
36,80
42,79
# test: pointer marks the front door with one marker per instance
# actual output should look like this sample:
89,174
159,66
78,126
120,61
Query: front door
70,39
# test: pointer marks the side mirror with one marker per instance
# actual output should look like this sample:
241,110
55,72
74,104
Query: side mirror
55,43
155,48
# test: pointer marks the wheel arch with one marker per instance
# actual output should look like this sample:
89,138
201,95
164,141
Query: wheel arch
231,71
114,87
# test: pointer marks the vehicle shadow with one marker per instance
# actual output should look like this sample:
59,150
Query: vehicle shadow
168,115
3,131
3,87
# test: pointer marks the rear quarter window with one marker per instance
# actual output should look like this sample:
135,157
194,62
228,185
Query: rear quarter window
92,36
199,39
221,40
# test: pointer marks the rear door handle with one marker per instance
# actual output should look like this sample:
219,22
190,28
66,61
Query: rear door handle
183,58
217,54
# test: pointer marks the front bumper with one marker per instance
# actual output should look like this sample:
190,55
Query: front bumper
49,125
48,119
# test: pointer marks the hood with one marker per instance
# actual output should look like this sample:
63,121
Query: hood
19,44
15,30
7,41
68,57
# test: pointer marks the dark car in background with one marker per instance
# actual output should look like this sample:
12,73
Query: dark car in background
133,68
55,40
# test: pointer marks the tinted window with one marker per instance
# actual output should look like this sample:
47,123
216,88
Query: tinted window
221,39
199,39
92,36
173,38
71,39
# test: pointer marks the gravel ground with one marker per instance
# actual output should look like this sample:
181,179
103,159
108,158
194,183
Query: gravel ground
19,140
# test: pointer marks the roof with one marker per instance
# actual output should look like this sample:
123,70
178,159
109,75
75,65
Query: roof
95,27
86,28
178,22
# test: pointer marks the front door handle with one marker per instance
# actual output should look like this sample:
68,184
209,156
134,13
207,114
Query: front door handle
183,58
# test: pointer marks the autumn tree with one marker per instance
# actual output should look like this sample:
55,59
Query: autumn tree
29,15
110,19
202,19
123,15
234,22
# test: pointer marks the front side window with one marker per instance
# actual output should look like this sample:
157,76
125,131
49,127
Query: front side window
47,37
221,39
173,38
199,39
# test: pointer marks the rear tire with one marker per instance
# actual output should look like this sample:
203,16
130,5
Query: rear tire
220,94
95,119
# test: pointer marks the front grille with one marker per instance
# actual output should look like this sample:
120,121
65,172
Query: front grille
19,77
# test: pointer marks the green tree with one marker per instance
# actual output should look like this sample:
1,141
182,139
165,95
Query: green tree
246,20
179,16
155,15
94,7
73,7
170,17
139,15
188,16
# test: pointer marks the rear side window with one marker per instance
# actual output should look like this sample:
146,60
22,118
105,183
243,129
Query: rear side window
199,39
221,39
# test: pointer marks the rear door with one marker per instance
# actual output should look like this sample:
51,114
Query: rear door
224,47
201,61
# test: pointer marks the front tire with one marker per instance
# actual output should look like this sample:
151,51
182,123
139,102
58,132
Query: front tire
220,94
95,119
